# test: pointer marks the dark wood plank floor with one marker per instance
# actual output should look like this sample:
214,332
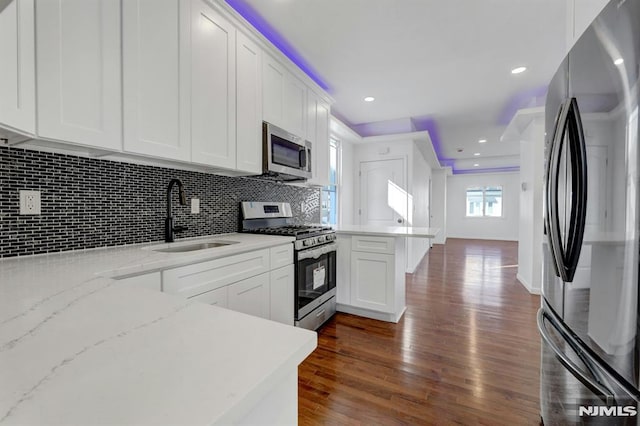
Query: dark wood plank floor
466,351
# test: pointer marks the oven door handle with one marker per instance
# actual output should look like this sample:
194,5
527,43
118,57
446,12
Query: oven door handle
315,253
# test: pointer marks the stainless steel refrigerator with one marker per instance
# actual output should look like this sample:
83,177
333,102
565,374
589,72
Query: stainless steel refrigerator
589,320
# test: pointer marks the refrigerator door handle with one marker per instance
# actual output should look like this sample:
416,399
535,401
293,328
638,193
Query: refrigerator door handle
600,390
552,220
577,222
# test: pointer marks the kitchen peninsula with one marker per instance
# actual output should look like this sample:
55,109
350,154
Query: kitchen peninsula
80,347
371,268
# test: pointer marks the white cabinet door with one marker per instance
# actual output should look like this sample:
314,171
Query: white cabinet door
213,88
78,73
294,102
218,297
281,298
372,281
272,91
318,133
248,105
17,73
251,296
156,77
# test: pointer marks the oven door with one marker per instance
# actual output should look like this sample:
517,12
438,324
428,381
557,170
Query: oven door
315,277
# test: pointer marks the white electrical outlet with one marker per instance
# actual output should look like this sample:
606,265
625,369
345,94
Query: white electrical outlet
195,205
30,202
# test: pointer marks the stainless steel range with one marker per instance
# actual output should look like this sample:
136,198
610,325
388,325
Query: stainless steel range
314,258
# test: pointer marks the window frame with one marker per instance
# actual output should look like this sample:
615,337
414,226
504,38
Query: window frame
338,182
484,189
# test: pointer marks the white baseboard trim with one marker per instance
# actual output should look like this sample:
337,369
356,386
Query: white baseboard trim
368,313
526,285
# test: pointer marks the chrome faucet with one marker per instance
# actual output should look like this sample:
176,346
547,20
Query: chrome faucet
169,229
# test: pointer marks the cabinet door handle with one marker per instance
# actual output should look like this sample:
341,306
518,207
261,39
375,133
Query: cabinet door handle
320,313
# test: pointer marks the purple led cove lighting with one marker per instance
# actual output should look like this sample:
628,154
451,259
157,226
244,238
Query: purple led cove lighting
525,99
488,170
259,23
429,124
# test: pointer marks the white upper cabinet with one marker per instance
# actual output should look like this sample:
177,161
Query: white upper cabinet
156,77
78,72
294,97
17,73
284,98
213,88
318,133
272,91
248,105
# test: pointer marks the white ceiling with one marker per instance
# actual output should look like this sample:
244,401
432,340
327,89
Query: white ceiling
446,60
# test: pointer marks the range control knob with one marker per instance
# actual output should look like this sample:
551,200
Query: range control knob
306,243
320,239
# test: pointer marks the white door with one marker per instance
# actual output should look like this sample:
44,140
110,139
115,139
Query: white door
156,77
248,105
78,72
383,196
17,73
213,88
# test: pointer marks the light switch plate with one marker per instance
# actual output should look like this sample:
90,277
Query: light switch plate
30,203
195,205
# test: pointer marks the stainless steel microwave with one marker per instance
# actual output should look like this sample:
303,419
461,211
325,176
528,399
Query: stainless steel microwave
285,156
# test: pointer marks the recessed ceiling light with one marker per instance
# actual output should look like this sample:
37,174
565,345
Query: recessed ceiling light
518,70
476,153
369,99
476,165
618,61
482,141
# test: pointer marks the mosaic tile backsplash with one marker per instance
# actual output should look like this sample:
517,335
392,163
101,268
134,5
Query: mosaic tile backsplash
89,203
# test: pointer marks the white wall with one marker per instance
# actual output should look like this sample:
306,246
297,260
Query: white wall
531,210
503,228
439,204
419,189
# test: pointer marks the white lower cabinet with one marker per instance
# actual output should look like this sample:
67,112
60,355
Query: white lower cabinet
372,276
251,296
370,273
281,294
218,297
259,283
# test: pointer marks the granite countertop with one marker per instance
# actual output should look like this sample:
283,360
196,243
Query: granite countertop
388,231
78,347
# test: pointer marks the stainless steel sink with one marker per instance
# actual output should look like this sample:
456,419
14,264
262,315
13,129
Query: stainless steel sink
195,246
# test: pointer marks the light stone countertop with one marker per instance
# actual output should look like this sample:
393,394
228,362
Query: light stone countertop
388,231
77,347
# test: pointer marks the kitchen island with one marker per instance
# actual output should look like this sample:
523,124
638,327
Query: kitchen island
79,347
371,269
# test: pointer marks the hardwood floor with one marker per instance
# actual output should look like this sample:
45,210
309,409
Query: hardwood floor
466,351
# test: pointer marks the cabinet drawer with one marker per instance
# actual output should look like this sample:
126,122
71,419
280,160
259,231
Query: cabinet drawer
281,256
369,244
192,280
218,297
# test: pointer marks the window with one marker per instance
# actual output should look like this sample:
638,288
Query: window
329,194
484,201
